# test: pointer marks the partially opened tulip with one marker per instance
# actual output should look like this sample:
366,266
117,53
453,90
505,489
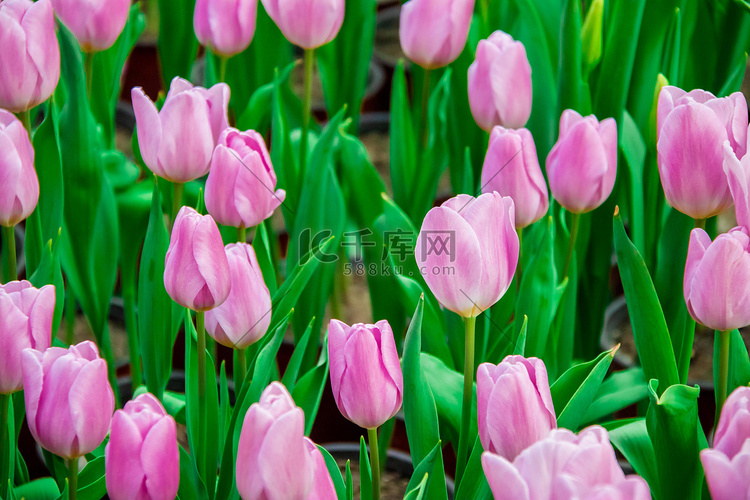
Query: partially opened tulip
25,323
20,192
514,405
97,24
273,459
142,459
227,28
433,32
307,23
500,83
241,185
30,55
323,488
511,168
691,129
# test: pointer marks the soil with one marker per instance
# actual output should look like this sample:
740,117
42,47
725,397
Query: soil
392,485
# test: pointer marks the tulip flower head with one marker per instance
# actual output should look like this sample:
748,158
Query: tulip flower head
323,488
307,23
177,142
20,192
500,83
582,166
467,251
691,130
433,32
69,401
511,168
142,459
97,24
365,372
227,28
25,323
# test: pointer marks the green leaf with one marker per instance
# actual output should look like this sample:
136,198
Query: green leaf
91,481
292,368
309,389
365,473
177,43
617,392
739,363
335,472
403,144
191,486
631,438
50,271
474,485
425,471
40,489
349,482
418,492
258,113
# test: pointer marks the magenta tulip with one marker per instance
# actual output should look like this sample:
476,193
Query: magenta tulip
365,372
226,27
241,185
196,270
25,323
467,251
30,55
273,461
307,23
582,166
514,405
97,24
245,315
511,168
500,83
564,466
323,488
20,191
170,148
69,401
142,459
433,32
691,128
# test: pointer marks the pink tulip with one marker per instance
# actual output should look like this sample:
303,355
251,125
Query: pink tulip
717,279
307,23
691,128
323,488
582,166
514,405
30,56
365,372
467,251
500,83
245,315
564,466
69,401
25,323
177,142
273,461
726,465
512,169
196,270
226,27
241,185
20,191
433,32
97,24
738,176
142,459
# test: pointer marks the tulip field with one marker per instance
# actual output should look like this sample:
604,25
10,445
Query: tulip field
374,249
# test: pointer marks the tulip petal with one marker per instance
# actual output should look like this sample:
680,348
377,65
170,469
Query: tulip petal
285,466
91,405
724,482
738,175
33,379
161,460
13,340
212,263
389,355
149,129
254,428
124,472
505,481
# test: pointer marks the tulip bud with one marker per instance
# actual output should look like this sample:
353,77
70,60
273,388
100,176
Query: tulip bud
582,166
227,28
514,405
196,270
564,466
142,459
170,148
307,23
323,488
467,251
691,128
69,401
246,314
20,191
511,168
241,185
433,32
97,24
591,35
365,372
717,279
25,323
273,461
500,83
30,55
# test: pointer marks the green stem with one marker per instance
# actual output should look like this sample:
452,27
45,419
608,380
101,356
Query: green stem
463,439
200,329
223,68
72,478
176,200
372,437
241,234
307,107
88,67
242,369
574,223
25,117
4,415
700,223
723,375
9,237
425,129
70,315
131,326
484,7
